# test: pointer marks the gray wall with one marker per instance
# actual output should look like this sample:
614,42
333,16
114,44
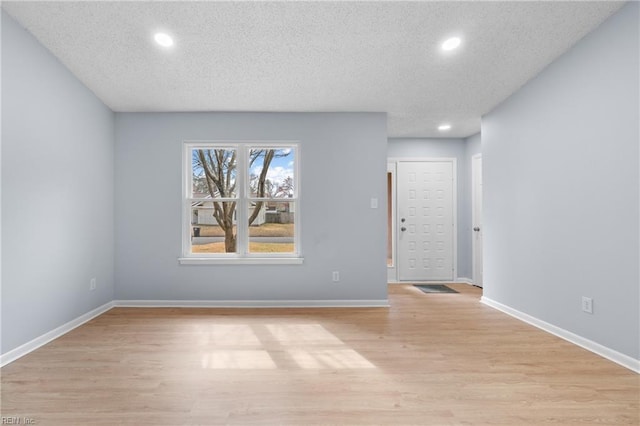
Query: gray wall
473,147
343,165
561,186
445,148
57,192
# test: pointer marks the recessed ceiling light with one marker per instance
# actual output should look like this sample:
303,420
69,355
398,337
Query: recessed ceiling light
444,127
451,43
163,39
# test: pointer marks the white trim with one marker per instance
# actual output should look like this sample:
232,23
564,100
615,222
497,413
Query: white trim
465,280
382,303
242,204
598,349
474,218
391,168
417,159
47,337
455,216
241,260
411,282
392,271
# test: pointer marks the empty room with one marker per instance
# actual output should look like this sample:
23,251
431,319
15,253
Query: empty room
325,212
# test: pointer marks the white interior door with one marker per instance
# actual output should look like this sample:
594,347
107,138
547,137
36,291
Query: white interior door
425,221
476,171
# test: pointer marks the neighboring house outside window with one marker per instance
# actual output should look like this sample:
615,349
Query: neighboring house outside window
241,202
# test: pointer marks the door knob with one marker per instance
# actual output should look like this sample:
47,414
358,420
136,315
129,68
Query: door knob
402,220
403,229
477,229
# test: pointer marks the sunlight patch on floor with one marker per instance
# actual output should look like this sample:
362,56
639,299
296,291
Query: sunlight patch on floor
238,359
272,346
330,358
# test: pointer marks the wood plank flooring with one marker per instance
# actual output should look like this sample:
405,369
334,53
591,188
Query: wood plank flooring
431,359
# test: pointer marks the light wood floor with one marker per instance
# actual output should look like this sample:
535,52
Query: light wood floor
433,359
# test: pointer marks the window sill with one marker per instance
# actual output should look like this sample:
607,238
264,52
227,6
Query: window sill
241,260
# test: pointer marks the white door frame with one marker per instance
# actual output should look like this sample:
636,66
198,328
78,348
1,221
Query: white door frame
392,275
476,275
392,269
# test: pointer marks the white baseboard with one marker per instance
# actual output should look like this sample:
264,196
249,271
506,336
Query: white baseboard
34,344
605,352
456,281
383,303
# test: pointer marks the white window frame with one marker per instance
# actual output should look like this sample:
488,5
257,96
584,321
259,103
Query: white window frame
242,256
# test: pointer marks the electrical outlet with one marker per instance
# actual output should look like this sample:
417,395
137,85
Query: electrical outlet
587,304
336,276
92,284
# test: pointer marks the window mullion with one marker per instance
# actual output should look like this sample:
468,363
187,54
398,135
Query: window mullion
241,205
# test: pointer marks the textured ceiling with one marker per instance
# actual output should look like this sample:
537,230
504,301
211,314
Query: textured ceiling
312,56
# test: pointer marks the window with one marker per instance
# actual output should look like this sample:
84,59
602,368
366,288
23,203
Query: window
241,203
